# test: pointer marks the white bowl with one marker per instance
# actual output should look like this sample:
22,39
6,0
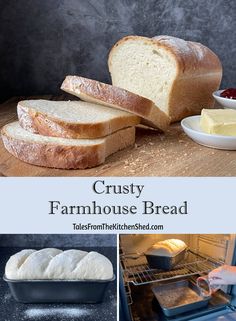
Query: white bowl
225,102
191,126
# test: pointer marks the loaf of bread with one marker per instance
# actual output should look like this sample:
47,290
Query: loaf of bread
178,76
72,119
54,264
103,94
63,153
168,248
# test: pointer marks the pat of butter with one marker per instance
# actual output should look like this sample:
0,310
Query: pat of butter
219,121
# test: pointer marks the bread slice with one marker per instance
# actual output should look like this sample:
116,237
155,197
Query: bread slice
178,76
63,152
72,119
107,95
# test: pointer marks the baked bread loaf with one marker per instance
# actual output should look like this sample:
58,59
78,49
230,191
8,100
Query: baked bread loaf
168,248
178,76
72,119
63,152
54,264
107,95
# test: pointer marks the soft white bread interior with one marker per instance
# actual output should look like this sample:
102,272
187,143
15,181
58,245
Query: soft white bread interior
72,119
51,263
168,248
63,152
178,76
115,97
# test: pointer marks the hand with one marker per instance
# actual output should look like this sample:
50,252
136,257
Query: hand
223,275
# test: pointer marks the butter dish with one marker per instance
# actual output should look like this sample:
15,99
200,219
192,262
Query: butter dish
191,126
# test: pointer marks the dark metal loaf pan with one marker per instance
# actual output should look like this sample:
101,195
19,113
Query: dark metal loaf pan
165,262
58,291
179,297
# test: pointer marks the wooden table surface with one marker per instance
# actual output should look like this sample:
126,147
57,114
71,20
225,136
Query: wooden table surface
154,154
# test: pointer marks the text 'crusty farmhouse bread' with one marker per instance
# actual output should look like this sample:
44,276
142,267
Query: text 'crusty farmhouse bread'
51,263
107,95
63,152
169,248
72,119
178,76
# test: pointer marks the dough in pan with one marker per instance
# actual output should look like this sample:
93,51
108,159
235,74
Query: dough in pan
168,248
51,263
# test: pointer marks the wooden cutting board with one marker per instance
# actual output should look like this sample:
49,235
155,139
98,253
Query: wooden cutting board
154,154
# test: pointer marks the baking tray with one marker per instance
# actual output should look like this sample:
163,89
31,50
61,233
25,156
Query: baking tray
58,291
164,262
179,297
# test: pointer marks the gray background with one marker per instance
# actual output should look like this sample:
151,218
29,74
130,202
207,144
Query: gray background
57,240
43,40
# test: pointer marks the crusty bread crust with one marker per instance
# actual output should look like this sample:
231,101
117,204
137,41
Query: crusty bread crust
168,248
55,156
190,95
43,124
67,157
108,95
199,73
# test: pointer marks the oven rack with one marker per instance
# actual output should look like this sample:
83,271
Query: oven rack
194,264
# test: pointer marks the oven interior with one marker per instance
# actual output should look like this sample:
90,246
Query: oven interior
205,252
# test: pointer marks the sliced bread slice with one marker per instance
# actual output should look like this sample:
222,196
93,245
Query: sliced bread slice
72,119
111,96
63,152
